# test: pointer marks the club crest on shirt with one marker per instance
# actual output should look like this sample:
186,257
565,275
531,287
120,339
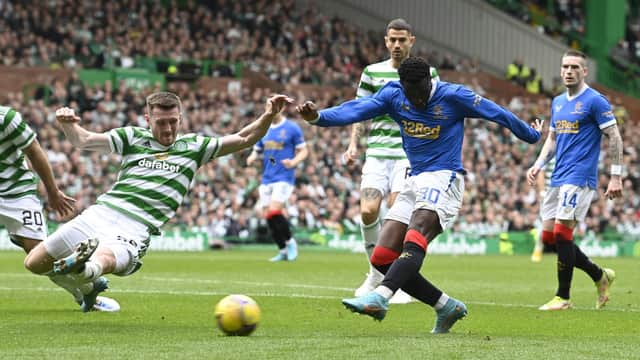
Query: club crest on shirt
558,108
578,108
405,107
282,134
180,145
438,113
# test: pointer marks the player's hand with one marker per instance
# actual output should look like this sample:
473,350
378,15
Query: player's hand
251,158
62,204
614,189
532,174
308,111
537,125
276,104
288,163
351,155
67,115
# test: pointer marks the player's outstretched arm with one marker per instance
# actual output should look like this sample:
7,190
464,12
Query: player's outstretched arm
479,107
80,137
547,153
348,112
62,204
250,134
614,152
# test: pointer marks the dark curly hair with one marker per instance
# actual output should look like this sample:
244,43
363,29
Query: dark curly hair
413,69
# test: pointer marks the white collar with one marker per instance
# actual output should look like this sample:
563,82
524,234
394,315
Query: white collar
273,126
583,89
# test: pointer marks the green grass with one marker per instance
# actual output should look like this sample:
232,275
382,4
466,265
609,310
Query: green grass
167,311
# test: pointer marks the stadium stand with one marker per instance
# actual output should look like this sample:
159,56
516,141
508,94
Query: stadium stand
259,49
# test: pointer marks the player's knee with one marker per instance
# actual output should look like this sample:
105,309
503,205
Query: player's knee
426,222
369,213
562,232
383,256
35,264
415,237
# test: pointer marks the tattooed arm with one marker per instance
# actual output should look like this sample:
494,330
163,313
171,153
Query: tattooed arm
351,154
614,152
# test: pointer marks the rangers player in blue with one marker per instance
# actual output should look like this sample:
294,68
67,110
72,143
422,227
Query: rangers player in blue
283,148
579,117
431,119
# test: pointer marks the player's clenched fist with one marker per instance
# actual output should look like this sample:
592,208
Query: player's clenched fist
67,115
308,111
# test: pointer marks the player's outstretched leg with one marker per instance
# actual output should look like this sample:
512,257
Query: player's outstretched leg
603,285
451,312
90,298
74,262
372,304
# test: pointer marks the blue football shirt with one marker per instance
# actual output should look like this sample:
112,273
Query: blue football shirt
578,124
431,137
278,144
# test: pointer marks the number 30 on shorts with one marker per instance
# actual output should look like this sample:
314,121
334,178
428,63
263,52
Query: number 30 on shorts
31,217
429,194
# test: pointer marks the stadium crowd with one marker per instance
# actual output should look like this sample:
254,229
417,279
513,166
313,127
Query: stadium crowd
319,50
287,44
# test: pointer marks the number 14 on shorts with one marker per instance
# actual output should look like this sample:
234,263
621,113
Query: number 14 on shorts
570,199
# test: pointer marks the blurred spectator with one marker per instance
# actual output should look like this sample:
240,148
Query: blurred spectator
319,50
518,72
533,84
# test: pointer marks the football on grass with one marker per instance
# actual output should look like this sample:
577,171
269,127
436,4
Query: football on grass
237,315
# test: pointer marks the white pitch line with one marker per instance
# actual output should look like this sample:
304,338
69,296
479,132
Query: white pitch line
294,295
252,283
174,292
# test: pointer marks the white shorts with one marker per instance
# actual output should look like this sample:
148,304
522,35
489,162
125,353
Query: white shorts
440,191
566,202
23,217
278,191
128,239
384,175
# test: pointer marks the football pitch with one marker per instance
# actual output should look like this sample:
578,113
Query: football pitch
167,311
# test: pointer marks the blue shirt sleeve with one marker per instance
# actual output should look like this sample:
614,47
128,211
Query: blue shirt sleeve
601,110
474,105
357,110
298,137
259,146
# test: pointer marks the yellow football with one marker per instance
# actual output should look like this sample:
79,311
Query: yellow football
237,315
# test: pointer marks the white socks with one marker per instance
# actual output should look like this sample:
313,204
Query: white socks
384,291
370,236
92,270
441,302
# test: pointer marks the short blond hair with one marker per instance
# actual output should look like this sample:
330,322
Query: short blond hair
164,100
